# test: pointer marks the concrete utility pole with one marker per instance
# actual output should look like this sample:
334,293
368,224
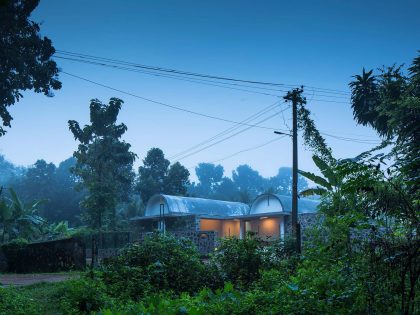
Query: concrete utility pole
295,96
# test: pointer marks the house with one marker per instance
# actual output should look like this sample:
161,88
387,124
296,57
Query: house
206,220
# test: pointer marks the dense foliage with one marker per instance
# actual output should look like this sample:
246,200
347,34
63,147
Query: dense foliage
11,302
158,176
390,103
25,56
246,183
104,162
158,263
45,181
361,257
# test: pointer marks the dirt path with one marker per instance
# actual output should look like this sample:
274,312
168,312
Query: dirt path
27,279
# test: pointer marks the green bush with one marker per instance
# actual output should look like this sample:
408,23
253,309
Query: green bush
12,251
160,262
13,303
239,261
83,296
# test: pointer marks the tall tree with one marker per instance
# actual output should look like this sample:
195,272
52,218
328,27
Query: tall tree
282,182
177,181
8,171
25,56
55,185
152,174
389,102
158,176
210,177
104,162
227,190
39,181
248,180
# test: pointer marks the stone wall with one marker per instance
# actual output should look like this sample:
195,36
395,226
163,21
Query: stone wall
178,223
306,220
51,256
3,261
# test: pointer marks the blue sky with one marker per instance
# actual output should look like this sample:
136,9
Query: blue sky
314,43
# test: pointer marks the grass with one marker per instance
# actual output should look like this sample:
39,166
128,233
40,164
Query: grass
46,295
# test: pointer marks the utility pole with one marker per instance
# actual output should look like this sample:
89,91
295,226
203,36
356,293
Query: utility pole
295,96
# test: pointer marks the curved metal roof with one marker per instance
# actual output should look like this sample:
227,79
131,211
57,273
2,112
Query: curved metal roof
174,205
267,203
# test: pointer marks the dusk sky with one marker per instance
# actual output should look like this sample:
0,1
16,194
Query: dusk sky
313,43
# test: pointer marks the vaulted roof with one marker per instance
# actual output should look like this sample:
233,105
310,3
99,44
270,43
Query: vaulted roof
174,205
268,203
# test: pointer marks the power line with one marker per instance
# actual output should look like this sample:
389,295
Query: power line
201,114
194,80
188,73
227,131
224,139
243,151
165,104
225,85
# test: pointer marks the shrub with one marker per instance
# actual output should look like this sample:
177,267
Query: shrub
239,261
160,262
83,296
13,303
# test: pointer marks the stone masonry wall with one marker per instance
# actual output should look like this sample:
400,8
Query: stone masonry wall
306,220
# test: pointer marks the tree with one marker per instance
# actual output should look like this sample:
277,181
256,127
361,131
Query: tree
248,180
25,57
390,103
54,184
152,174
210,177
227,190
38,182
8,171
282,182
158,176
177,181
104,162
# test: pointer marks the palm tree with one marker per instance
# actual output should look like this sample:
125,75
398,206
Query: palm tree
364,98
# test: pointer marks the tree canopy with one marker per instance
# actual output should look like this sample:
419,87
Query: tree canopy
25,56
158,176
104,162
389,102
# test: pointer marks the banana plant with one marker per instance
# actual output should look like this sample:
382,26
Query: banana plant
59,229
19,219
329,183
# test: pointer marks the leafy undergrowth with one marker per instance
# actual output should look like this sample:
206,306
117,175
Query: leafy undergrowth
242,278
45,295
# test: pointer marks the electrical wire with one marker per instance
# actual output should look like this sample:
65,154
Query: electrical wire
165,104
224,139
206,115
229,130
248,149
188,73
198,81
